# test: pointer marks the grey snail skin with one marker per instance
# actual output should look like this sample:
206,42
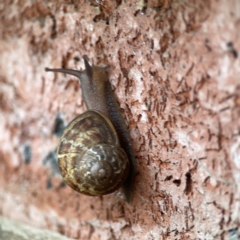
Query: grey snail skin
95,153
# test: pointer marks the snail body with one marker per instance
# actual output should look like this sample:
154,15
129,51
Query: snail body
95,154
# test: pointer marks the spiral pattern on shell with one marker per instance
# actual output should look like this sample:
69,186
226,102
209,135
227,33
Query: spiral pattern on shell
89,156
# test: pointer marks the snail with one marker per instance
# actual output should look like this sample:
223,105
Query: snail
95,153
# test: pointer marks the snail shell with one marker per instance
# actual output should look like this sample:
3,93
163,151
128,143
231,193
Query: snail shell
90,158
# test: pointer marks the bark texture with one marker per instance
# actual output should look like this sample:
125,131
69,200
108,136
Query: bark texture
175,72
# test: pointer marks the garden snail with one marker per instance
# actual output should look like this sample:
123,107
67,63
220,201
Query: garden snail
95,153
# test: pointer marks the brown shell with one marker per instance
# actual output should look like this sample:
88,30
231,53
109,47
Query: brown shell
89,156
